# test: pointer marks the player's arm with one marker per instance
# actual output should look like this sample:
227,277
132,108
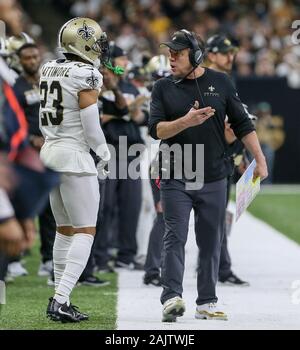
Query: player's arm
91,123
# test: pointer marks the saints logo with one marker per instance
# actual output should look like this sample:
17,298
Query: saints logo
86,32
92,81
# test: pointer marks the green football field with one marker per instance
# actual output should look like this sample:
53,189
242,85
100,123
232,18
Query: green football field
280,211
27,299
27,296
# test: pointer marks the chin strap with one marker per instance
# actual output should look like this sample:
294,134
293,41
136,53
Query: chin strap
116,70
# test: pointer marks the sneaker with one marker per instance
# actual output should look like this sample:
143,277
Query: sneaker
209,311
93,281
61,312
152,279
15,269
233,280
8,279
129,266
45,269
105,268
172,309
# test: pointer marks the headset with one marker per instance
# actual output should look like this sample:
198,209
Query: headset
196,54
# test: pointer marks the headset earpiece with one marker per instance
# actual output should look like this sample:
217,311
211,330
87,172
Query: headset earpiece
196,53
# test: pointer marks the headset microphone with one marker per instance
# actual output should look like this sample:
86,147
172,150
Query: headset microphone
181,79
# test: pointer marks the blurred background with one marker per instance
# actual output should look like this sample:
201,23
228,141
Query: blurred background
267,66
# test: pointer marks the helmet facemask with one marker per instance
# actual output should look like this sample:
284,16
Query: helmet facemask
84,38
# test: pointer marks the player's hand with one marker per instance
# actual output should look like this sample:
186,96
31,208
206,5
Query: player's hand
261,170
197,116
110,80
102,168
37,141
29,232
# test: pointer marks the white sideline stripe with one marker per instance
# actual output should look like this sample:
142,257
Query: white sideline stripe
261,255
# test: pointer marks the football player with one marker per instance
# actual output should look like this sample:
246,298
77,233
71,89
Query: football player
69,121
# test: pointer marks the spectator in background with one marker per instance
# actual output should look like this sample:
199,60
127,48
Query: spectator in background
27,93
10,13
121,118
12,239
264,128
266,25
265,64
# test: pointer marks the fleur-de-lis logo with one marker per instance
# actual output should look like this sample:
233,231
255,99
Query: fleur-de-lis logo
92,81
85,32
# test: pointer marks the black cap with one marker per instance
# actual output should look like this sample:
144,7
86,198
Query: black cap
179,41
116,51
220,43
136,72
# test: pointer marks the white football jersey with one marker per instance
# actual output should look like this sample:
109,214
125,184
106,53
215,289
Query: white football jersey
65,148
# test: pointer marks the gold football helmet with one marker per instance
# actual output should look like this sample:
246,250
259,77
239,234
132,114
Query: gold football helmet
12,45
84,37
158,67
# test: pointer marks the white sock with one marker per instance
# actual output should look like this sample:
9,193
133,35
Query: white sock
61,248
77,258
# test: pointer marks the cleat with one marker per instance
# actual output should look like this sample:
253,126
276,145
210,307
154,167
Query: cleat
172,309
129,266
45,269
81,316
105,268
93,281
233,280
154,280
209,311
16,269
61,312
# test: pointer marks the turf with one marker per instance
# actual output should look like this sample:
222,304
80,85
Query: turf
281,211
27,299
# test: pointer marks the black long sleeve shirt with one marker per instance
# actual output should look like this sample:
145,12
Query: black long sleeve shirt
29,98
118,126
170,101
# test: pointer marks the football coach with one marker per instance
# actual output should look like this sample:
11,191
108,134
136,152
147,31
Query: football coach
189,108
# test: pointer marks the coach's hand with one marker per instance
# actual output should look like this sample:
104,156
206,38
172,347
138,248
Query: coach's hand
197,116
261,170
